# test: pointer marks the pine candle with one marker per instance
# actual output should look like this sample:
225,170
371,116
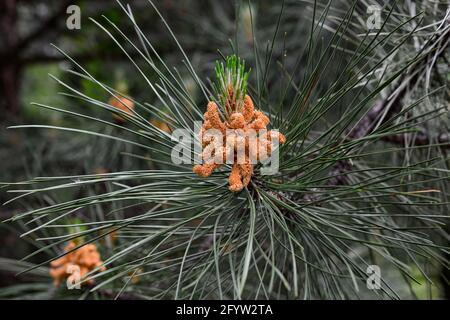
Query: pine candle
240,118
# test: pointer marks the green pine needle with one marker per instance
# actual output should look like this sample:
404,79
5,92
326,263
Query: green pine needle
231,85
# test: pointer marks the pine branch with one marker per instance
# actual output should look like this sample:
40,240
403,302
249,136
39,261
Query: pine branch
193,239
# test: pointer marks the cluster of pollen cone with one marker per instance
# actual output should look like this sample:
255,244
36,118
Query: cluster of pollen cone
75,264
234,130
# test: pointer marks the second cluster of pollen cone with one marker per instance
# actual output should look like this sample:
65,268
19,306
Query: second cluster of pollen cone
75,264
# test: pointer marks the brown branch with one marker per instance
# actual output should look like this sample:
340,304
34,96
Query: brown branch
394,102
421,139
408,80
45,26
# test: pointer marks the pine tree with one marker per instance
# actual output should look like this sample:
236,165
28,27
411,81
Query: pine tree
362,180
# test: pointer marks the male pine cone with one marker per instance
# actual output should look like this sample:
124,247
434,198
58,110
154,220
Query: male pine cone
234,131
